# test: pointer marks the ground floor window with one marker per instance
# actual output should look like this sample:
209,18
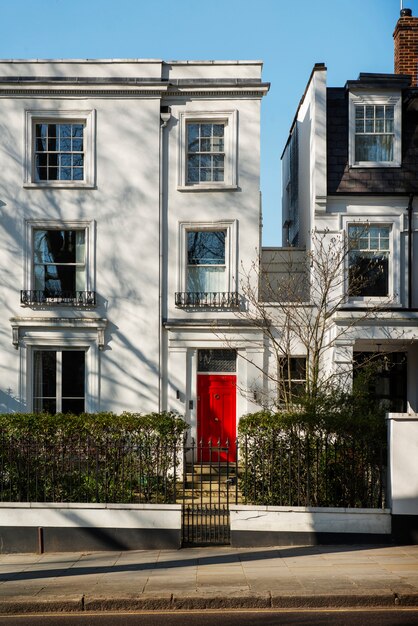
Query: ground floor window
292,379
59,381
387,377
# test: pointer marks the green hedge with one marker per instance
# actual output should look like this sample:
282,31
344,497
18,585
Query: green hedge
92,457
304,460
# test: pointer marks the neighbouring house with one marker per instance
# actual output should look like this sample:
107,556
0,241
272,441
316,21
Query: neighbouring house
350,175
130,203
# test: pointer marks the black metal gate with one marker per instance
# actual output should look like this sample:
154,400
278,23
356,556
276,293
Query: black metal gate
210,484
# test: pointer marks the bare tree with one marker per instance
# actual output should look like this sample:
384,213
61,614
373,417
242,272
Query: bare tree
292,295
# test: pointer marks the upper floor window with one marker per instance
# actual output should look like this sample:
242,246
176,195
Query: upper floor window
369,260
375,131
208,151
59,149
205,152
206,269
59,263
207,254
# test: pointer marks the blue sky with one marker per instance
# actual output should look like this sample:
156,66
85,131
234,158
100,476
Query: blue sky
350,36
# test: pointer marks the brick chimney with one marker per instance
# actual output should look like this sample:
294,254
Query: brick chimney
406,45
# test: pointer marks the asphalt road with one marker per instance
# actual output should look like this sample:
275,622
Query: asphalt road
383,617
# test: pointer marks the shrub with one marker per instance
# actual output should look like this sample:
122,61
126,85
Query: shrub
92,457
329,457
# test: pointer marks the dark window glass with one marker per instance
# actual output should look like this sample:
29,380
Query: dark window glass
205,152
206,247
292,379
45,381
73,373
387,378
59,151
369,250
217,360
59,260
59,381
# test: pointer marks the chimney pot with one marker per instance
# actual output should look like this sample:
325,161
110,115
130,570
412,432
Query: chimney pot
406,13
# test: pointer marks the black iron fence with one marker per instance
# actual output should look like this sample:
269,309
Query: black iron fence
207,299
293,469
313,469
44,296
84,469
209,485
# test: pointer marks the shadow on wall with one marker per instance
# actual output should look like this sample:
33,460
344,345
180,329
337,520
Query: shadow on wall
9,403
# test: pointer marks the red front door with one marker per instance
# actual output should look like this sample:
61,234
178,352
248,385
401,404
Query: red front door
216,415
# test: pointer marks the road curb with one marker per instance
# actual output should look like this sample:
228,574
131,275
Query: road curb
175,603
34,605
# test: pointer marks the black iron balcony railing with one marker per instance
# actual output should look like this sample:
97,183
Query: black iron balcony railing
71,298
208,299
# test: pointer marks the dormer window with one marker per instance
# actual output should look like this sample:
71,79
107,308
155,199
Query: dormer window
375,131
374,134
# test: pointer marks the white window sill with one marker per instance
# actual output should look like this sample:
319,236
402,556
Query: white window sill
60,185
207,187
373,301
384,164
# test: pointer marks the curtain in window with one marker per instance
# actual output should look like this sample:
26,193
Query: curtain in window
377,148
80,257
206,279
60,260
37,382
206,261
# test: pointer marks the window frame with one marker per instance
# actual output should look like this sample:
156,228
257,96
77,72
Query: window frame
369,253
230,251
59,373
230,121
373,99
190,266
89,226
285,384
394,287
61,339
88,119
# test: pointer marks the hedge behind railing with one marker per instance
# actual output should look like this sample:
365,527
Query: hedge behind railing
286,461
92,457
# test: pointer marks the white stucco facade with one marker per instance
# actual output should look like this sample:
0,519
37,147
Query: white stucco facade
135,205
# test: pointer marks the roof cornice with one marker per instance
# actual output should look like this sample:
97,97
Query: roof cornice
130,87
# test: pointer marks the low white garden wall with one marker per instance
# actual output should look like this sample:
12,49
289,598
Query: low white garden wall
33,526
275,525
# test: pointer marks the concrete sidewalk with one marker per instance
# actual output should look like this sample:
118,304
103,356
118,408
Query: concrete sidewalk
215,577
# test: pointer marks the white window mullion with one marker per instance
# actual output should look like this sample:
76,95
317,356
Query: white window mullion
59,381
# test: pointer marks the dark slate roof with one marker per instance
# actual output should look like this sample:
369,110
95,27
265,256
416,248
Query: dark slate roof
376,181
379,81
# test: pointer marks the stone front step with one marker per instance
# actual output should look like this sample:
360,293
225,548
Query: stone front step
211,470
208,484
194,482
205,497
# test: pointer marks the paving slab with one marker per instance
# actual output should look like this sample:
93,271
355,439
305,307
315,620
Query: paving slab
213,577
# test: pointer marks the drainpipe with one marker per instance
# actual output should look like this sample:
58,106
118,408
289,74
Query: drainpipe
410,202
165,115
